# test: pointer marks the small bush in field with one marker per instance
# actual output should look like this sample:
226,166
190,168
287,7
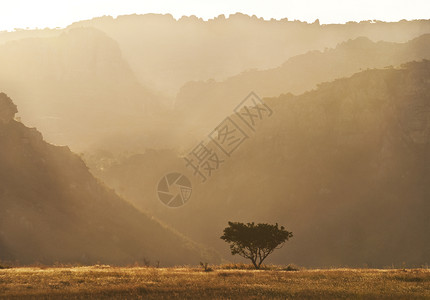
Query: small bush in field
146,262
291,268
205,267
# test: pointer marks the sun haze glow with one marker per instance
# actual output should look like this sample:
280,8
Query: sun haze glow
60,13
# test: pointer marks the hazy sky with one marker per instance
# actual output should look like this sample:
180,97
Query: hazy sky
60,13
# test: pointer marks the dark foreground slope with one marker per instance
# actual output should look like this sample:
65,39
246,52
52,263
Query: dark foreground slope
53,210
346,167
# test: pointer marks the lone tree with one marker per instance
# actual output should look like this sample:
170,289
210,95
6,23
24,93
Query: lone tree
255,242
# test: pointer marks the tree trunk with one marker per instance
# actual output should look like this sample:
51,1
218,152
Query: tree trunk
255,264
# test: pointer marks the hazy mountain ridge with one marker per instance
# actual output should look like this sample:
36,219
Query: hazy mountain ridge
206,103
344,167
166,53
110,74
76,87
20,33
53,210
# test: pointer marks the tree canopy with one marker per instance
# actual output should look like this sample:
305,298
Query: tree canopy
255,242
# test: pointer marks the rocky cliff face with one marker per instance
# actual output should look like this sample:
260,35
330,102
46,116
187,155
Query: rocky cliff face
53,210
7,109
75,87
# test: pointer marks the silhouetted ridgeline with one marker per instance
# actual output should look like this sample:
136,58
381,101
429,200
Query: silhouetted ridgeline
345,167
53,210
102,81
76,88
166,53
205,103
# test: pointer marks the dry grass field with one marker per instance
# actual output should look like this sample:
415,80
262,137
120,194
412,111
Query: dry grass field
105,282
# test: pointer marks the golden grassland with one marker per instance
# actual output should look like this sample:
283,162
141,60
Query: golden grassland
106,282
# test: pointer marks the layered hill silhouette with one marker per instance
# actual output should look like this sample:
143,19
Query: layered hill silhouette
345,167
166,53
76,87
100,83
53,210
206,103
